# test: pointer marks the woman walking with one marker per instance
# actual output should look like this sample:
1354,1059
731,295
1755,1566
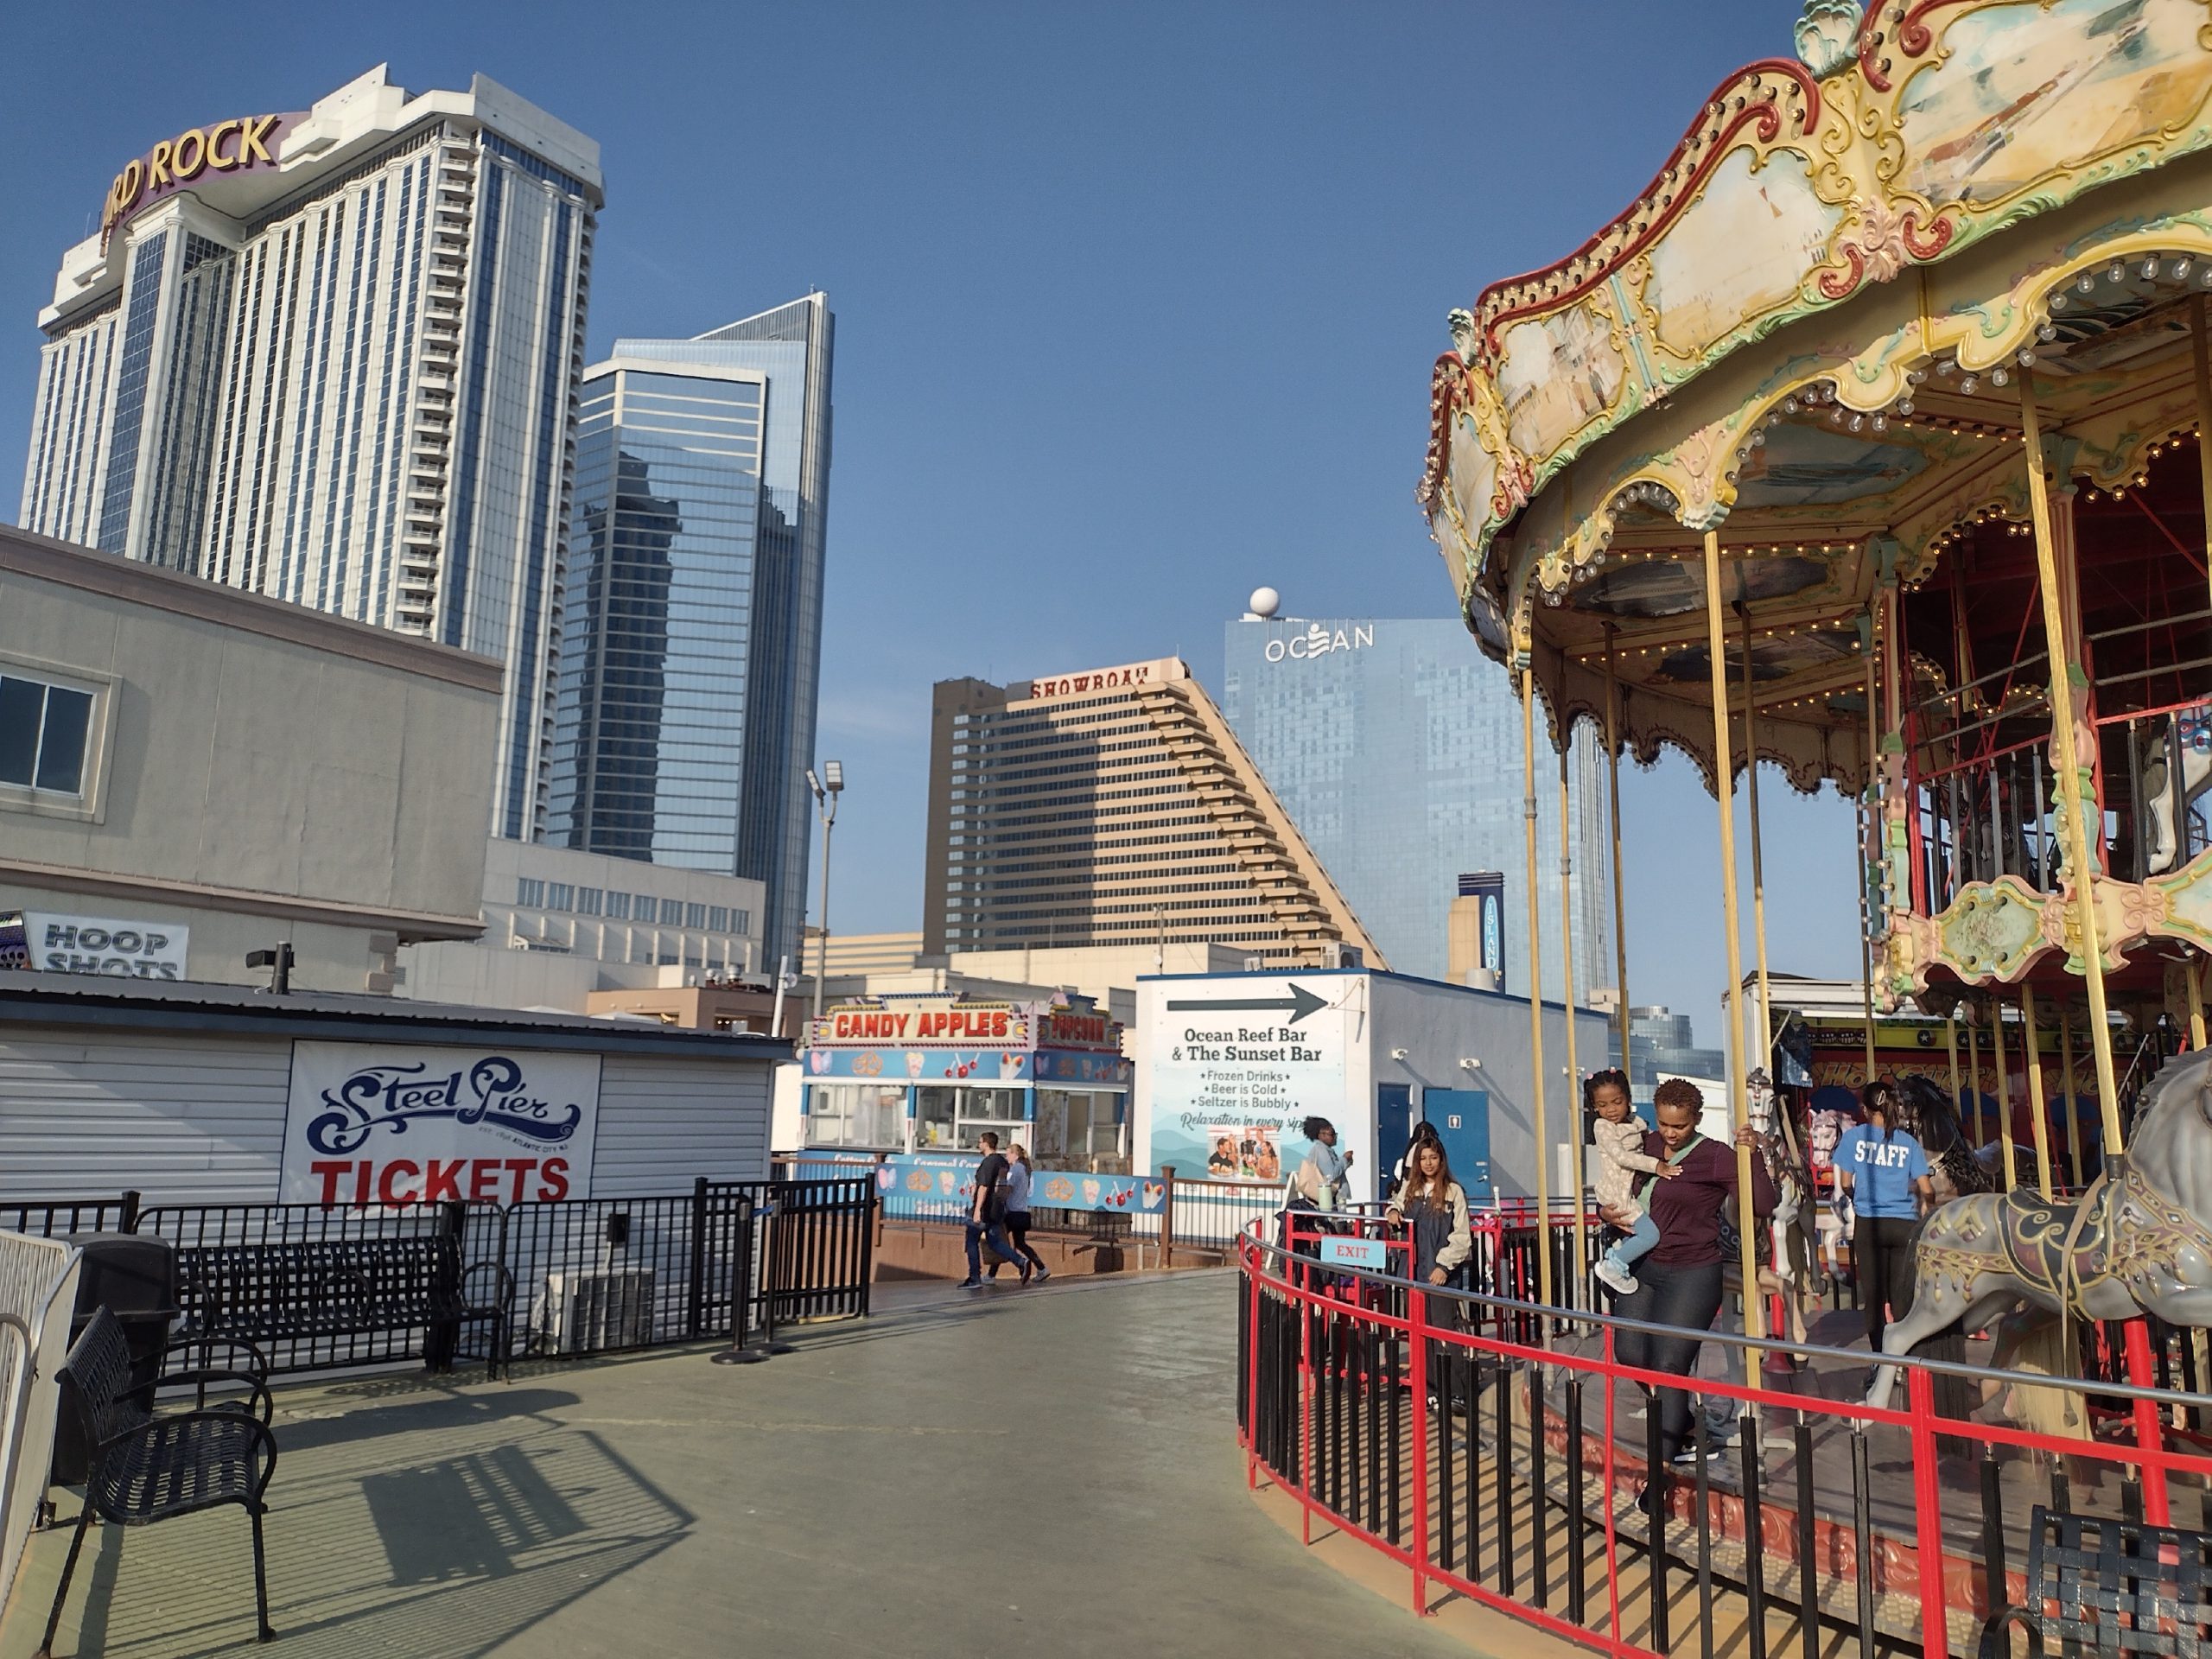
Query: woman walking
1680,1281
1884,1170
1018,1177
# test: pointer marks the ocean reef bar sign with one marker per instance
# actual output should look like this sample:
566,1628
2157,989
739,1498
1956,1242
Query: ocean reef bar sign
375,1123
243,144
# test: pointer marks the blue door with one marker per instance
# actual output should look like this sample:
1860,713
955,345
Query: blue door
1394,1129
1461,1120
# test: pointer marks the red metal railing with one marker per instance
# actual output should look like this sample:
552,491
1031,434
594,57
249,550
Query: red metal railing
1414,1418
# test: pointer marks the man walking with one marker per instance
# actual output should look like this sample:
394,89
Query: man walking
987,1215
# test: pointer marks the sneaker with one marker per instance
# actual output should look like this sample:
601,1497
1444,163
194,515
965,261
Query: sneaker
971,1284
1615,1277
1043,1273
1716,1452
1025,1275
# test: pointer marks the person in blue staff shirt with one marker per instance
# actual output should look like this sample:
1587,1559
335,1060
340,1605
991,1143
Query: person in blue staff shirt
1884,1172
987,1214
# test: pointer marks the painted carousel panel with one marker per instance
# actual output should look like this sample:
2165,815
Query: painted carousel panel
1557,374
2022,92
1742,249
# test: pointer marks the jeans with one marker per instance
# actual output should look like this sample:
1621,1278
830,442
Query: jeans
1881,1251
1685,1296
994,1234
1636,1245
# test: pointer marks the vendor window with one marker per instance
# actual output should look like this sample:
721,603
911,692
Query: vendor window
1087,1123
856,1115
950,1120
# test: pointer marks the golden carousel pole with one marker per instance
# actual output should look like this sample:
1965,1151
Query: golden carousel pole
2201,360
1758,861
1974,1083
1871,830
1724,772
1580,1130
2065,1088
1951,1048
1536,995
1620,879
2041,1125
2062,673
2004,1092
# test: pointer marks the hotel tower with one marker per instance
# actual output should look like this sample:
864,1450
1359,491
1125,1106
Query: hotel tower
331,356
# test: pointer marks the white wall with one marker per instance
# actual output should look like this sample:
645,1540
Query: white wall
199,1118
1439,1025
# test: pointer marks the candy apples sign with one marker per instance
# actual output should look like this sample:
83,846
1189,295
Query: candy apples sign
369,1123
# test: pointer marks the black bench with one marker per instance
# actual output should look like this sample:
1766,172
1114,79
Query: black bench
2095,1584
146,1466
272,1292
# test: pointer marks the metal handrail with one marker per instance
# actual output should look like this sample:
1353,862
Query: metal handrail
1852,1356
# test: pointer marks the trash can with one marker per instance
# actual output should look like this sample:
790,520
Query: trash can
134,1277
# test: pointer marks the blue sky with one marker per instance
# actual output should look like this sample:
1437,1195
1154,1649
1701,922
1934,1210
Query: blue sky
1135,309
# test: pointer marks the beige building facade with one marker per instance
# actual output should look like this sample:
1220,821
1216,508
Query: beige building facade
1115,807
184,762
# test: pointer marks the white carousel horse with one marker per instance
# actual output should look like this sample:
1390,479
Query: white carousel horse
2138,1241
2162,811
1792,1255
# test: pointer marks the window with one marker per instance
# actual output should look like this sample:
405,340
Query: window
948,1119
648,908
587,901
530,892
741,921
617,906
560,895
718,919
694,916
856,1115
43,730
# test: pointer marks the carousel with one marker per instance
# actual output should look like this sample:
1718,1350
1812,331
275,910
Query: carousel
1866,444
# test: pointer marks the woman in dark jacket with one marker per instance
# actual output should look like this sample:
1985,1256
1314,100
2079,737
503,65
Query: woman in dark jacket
1681,1278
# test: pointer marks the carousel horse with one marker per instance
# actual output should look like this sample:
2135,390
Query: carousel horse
2188,731
1791,1254
2137,1243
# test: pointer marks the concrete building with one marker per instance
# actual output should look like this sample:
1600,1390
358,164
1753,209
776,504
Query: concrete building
1115,808
1395,746
691,633
330,357
183,760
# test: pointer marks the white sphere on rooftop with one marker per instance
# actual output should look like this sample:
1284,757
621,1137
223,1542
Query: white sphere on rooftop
1265,601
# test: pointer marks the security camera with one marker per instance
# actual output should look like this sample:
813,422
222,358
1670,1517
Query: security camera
1471,1066
1398,1053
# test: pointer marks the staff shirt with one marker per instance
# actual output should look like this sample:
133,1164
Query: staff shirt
1882,1167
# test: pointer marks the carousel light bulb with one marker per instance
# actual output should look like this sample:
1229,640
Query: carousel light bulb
1881,422
1758,440
1858,423
1835,417
2088,285
2115,271
2058,301
2047,333
1997,376
2204,277
2150,267
2180,269
1967,385
1904,406
1947,366
1789,405
2026,359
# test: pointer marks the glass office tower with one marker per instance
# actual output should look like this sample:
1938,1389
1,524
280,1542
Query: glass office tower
683,716
1395,747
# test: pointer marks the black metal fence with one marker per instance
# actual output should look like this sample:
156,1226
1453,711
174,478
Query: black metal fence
581,1276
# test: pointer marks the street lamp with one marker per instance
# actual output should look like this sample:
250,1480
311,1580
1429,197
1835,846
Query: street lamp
826,788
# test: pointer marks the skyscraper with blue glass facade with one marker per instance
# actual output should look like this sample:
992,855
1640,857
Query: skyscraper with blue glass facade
1396,747
330,356
691,630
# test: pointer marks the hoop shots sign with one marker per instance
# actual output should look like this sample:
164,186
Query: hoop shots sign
371,1123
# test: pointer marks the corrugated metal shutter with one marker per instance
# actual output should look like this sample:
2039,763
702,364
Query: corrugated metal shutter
189,1119
663,1123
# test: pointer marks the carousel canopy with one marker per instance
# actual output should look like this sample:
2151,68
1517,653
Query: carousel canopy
1809,334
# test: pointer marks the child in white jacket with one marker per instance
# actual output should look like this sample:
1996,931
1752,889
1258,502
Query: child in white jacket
1618,1133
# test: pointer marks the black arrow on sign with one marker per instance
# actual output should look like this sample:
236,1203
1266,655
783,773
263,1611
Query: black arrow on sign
1299,1003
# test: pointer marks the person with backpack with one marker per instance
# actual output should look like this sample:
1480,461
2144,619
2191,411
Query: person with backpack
987,1213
